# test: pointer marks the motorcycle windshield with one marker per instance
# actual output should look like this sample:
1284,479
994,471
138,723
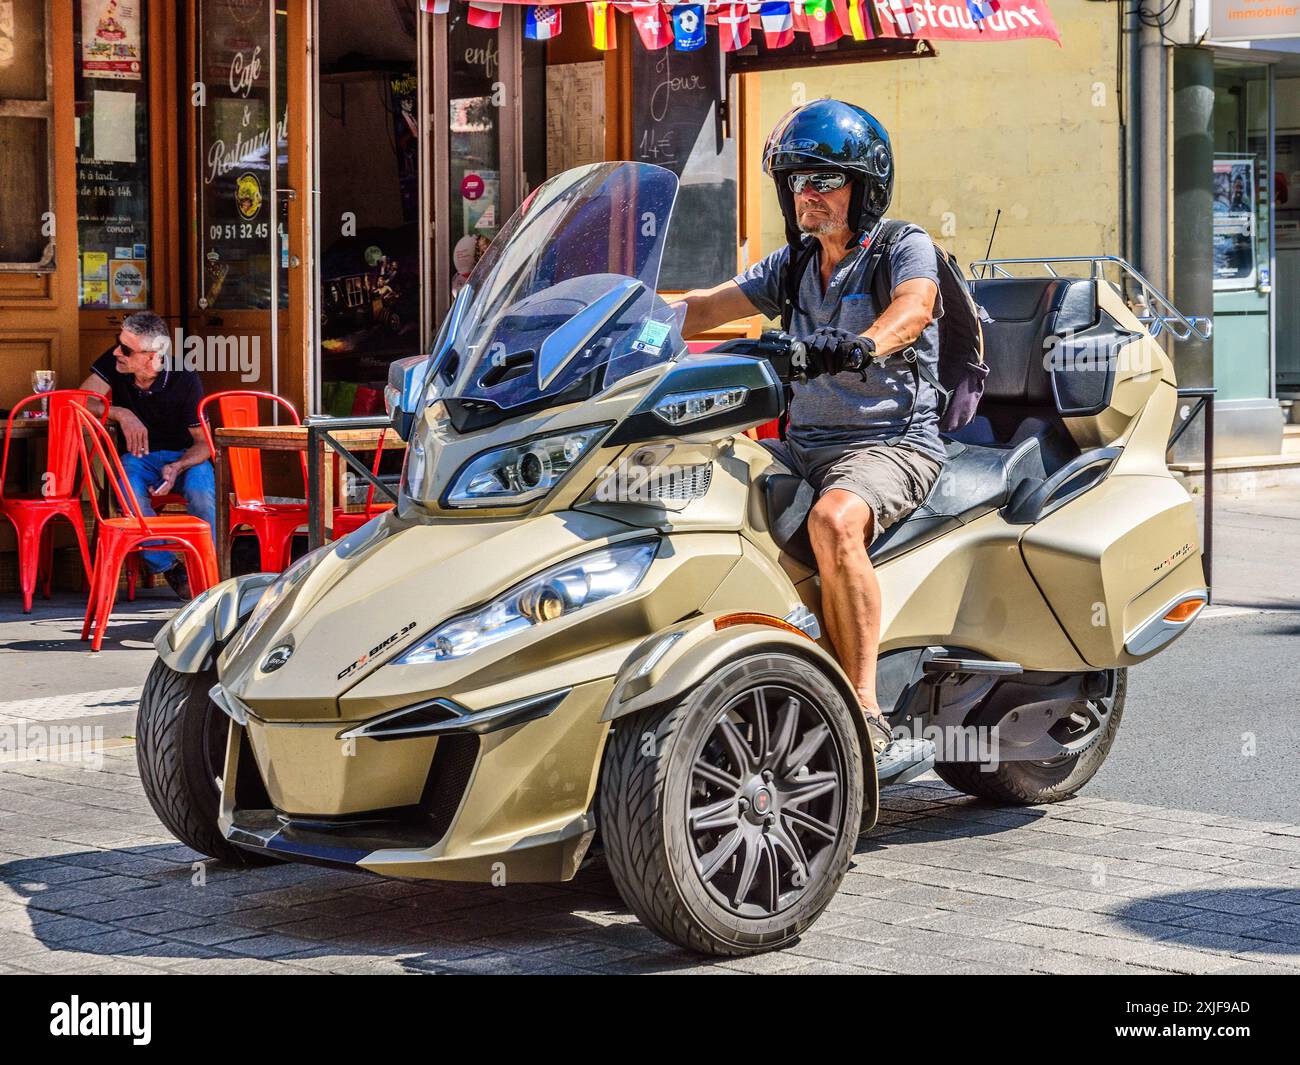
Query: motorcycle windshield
563,302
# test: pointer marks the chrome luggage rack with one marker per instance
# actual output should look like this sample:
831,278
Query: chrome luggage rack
1151,306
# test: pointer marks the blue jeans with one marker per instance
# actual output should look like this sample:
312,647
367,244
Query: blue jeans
196,484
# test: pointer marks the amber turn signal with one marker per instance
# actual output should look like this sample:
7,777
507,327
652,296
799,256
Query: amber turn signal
726,621
1184,610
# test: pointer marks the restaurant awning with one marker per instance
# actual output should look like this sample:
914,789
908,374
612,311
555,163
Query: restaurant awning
686,26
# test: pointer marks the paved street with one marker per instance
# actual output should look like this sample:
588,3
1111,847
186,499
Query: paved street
1182,856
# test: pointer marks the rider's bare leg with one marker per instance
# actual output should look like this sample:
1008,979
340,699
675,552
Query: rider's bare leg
840,527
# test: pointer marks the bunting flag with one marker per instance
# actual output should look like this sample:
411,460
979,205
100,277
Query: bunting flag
855,19
542,23
733,27
485,14
823,27
600,17
778,25
688,27
904,16
653,27
683,22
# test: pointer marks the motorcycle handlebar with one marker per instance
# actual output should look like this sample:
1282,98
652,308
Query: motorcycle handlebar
788,356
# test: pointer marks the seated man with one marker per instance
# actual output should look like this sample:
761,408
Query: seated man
866,439
157,410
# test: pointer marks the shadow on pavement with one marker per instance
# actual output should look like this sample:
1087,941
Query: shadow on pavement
146,903
1243,920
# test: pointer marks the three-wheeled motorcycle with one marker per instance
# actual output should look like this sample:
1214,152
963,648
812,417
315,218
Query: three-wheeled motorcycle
595,610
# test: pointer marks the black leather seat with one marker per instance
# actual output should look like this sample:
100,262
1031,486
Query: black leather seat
973,481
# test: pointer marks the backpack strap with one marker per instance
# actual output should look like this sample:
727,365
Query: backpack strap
877,281
796,265
882,292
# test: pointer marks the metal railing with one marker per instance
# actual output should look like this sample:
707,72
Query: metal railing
1159,313
320,430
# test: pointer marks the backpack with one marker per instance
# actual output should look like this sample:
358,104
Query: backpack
962,369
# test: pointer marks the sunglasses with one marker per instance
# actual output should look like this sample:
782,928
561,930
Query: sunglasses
821,181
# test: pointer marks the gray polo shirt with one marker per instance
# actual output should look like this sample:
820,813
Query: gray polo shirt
843,408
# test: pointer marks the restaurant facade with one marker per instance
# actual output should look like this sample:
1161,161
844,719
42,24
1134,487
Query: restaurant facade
299,187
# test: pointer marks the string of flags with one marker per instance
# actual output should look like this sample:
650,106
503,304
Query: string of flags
684,24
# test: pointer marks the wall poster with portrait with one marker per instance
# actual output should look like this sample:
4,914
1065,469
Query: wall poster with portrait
1235,264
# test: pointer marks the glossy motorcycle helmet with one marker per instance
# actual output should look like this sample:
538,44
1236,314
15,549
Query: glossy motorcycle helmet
833,135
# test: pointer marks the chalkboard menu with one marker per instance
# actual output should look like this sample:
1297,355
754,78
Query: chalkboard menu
677,124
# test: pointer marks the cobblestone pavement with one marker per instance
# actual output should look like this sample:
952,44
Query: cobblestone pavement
89,881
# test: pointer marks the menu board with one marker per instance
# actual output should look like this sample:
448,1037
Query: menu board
677,124
575,115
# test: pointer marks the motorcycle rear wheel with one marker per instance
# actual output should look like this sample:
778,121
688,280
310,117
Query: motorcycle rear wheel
1033,783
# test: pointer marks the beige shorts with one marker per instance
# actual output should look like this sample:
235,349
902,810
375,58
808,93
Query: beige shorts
892,480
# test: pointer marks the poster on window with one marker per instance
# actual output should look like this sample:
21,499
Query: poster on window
1234,223
110,39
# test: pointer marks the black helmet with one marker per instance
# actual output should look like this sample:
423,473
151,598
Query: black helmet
838,136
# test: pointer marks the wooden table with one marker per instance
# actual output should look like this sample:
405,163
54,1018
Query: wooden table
25,429
320,495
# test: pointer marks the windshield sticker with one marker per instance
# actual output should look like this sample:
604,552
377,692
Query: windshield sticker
651,338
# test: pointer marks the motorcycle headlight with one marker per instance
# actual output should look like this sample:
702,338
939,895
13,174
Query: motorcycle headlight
274,594
555,593
521,472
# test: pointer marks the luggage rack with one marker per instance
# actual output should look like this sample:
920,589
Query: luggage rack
1160,314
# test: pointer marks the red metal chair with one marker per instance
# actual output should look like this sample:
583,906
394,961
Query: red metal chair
134,567
118,537
345,521
60,492
272,523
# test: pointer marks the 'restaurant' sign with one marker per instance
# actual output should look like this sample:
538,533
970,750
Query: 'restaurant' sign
1254,20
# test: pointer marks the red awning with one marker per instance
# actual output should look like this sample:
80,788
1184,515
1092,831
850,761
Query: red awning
824,20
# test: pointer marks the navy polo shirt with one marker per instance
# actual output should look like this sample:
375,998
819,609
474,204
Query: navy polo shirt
169,407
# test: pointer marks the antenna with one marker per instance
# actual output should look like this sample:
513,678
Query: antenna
988,253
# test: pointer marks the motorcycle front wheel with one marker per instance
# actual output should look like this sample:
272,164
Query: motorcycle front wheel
729,815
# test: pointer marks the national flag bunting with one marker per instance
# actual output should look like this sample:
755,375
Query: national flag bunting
688,27
485,14
600,17
778,24
904,16
733,27
855,19
542,22
652,26
823,27
981,9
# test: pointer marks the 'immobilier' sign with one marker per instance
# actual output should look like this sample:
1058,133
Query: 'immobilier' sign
1254,20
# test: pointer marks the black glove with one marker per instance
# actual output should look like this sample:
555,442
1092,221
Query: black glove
836,350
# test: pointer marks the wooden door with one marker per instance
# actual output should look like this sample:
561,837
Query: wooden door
38,220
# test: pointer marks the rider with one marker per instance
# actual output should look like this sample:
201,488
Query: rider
864,438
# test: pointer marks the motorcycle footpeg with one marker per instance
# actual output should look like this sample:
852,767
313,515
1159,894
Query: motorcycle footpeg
904,760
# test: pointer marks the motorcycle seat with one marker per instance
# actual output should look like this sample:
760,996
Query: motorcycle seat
974,480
